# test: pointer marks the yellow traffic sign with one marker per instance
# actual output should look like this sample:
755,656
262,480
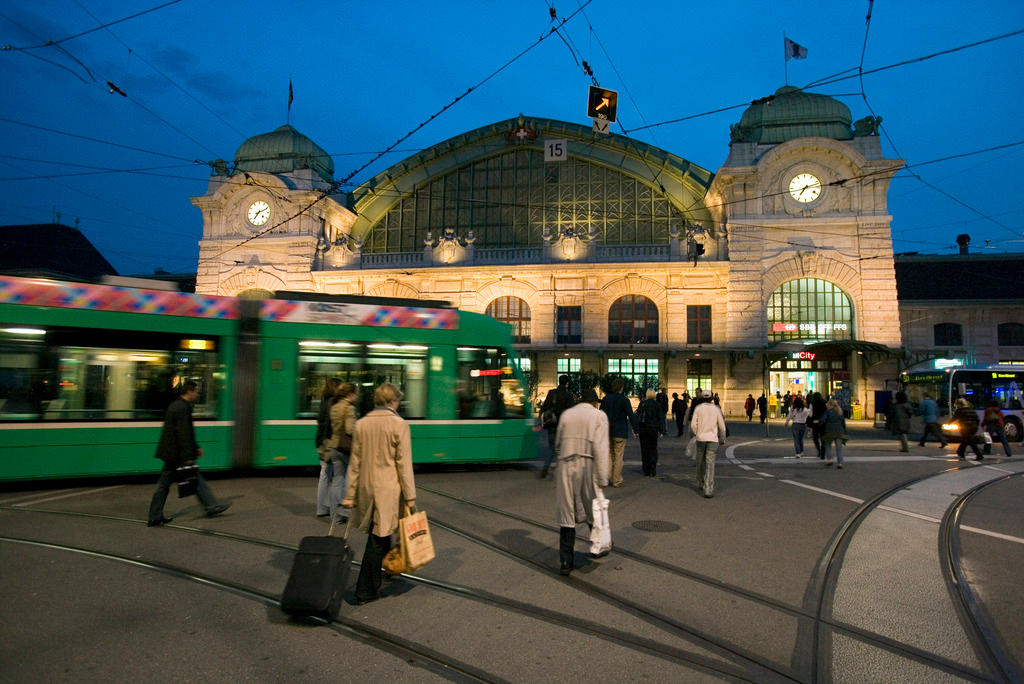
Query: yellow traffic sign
602,103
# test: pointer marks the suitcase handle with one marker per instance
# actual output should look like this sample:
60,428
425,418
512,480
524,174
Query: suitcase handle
348,526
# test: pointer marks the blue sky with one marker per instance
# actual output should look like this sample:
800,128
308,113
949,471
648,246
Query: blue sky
202,77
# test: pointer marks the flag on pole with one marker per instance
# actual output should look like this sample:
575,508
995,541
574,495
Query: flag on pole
291,94
794,50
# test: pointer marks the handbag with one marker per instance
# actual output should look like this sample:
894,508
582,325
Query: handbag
415,540
601,533
187,478
393,562
691,448
345,443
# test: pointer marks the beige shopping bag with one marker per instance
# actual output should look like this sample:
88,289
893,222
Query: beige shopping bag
416,543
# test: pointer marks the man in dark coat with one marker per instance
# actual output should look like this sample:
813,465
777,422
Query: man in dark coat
178,448
555,403
679,411
621,418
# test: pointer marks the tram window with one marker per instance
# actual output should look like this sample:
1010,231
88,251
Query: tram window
367,366
89,374
486,386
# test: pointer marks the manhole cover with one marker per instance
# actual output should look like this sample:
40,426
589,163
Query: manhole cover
655,526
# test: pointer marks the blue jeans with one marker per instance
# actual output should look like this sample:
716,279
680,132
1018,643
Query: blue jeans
798,437
163,486
337,474
839,450
999,435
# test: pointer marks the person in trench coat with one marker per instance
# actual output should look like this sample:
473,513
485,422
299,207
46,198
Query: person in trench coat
583,467
379,479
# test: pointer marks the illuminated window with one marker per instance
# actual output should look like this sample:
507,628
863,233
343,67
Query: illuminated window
698,375
698,324
633,319
515,312
948,335
809,309
568,365
640,374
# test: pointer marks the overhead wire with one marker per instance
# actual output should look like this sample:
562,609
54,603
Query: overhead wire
860,73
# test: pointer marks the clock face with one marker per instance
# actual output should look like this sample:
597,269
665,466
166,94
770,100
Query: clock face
259,213
804,187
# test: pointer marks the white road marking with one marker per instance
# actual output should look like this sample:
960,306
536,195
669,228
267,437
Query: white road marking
65,496
823,491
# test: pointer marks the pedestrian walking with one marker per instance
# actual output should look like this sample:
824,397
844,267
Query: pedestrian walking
708,426
323,433
928,409
380,479
818,408
748,407
995,426
177,448
339,445
762,407
621,420
663,401
798,415
583,469
898,416
679,413
966,419
557,400
650,425
787,402
833,435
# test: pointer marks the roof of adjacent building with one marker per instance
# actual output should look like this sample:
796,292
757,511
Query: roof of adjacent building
50,250
959,277
281,151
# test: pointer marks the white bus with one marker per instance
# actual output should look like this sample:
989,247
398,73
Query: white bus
977,384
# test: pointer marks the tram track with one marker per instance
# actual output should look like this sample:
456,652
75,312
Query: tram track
985,638
529,610
413,653
821,583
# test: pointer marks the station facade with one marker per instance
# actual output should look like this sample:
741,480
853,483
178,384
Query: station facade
775,272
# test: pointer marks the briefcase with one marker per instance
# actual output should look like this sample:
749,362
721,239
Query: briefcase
188,480
319,577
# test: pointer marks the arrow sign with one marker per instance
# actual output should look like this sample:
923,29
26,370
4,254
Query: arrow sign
602,103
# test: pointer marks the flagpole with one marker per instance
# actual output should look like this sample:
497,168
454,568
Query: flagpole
785,57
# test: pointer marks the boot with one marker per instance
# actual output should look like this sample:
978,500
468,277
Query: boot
566,549
543,472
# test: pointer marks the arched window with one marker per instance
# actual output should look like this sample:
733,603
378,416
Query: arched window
1011,335
515,312
633,319
809,308
949,335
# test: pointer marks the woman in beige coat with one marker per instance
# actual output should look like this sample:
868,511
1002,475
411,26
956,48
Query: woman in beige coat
379,478
343,422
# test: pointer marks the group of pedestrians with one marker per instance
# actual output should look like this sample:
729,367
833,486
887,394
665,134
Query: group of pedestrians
824,421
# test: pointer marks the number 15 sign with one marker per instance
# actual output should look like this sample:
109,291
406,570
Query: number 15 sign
556,150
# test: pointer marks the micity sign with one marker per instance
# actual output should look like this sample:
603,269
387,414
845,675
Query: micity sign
602,103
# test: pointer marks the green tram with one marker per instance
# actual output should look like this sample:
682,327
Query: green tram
87,371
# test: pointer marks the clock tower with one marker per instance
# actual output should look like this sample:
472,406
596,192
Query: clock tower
802,199
268,217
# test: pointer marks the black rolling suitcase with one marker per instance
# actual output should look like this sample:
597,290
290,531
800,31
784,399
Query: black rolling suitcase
319,577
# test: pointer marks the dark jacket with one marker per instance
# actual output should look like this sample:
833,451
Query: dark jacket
557,400
178,437
818,408
833,425
899,418
967,419
620,415
762,405
679,408
650,416
662,398
323,421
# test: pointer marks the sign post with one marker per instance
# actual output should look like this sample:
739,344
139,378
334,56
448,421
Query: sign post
602,105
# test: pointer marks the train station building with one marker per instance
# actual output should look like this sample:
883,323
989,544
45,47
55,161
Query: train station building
605,254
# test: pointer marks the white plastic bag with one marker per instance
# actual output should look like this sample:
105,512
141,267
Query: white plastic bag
691,448
601,534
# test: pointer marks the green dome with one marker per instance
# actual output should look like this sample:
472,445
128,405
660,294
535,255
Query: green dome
281,151
792,113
